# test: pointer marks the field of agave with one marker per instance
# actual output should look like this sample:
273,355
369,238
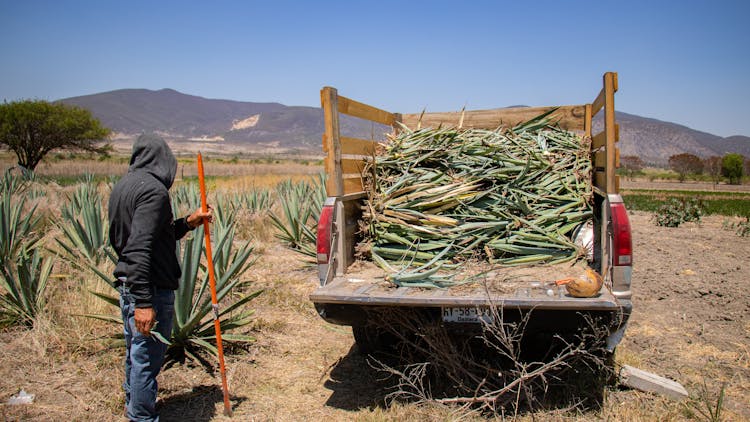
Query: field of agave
46,231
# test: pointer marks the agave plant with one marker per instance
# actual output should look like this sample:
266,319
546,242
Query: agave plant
19,228
256,201
24,282
185,197
84,228
86,192
193,328
23,273
300,208
13,184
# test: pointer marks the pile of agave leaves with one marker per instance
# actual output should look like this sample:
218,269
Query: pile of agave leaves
442,196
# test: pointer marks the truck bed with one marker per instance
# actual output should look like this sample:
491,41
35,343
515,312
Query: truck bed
518,288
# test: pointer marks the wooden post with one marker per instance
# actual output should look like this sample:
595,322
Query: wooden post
332,141
651,383
610,87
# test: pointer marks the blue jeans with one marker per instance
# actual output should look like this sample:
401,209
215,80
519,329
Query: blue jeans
144,355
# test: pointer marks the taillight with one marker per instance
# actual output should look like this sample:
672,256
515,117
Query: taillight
324,234
622,243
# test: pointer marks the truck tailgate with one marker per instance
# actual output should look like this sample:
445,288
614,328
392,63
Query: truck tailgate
518,295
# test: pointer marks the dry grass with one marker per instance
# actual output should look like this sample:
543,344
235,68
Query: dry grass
242,174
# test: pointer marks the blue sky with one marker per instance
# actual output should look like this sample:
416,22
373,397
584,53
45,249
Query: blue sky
686,62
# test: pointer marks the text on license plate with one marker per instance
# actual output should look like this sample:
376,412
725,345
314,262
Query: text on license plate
466,314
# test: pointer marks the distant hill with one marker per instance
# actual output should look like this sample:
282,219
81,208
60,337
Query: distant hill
655,140
182,117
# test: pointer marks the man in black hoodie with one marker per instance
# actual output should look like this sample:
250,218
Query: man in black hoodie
144,234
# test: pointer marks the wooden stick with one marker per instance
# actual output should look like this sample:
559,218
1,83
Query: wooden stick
212,282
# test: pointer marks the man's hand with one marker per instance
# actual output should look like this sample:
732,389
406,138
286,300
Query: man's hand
196,218
145,318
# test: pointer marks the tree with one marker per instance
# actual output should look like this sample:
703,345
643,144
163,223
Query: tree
712,165
685,164
33,128
631,164
731,168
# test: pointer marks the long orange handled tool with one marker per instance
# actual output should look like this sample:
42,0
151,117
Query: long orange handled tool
212,282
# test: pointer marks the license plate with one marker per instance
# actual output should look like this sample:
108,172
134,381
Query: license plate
466,314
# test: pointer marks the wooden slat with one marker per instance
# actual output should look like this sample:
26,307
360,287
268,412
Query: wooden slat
352,185
600,180
570,117
600,158
331,141
600,139
349,166
364,111
598,103
357,146
587,121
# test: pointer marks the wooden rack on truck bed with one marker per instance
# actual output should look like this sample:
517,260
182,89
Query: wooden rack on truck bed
345,291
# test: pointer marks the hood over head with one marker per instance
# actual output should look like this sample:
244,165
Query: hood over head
152,154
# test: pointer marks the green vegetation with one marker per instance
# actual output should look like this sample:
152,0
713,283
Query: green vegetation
84,227
32,129
714,203
741,228
300,208
193,330
24,271
731,168
677,211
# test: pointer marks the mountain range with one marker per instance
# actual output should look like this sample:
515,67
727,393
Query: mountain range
257,127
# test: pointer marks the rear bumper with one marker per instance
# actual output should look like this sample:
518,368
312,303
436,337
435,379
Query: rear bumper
357,314
538,322
548,307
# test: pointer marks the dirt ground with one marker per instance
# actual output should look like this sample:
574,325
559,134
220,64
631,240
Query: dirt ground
691,323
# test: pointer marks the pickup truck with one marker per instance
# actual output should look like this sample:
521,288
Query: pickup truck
347,292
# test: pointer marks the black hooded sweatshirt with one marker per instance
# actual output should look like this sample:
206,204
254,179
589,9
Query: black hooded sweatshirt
141,226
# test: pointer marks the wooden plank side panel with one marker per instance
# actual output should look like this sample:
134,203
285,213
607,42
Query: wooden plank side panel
352,166
600,180
364,111
598,103
357,146
600,159
600,139
353,184
569,117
